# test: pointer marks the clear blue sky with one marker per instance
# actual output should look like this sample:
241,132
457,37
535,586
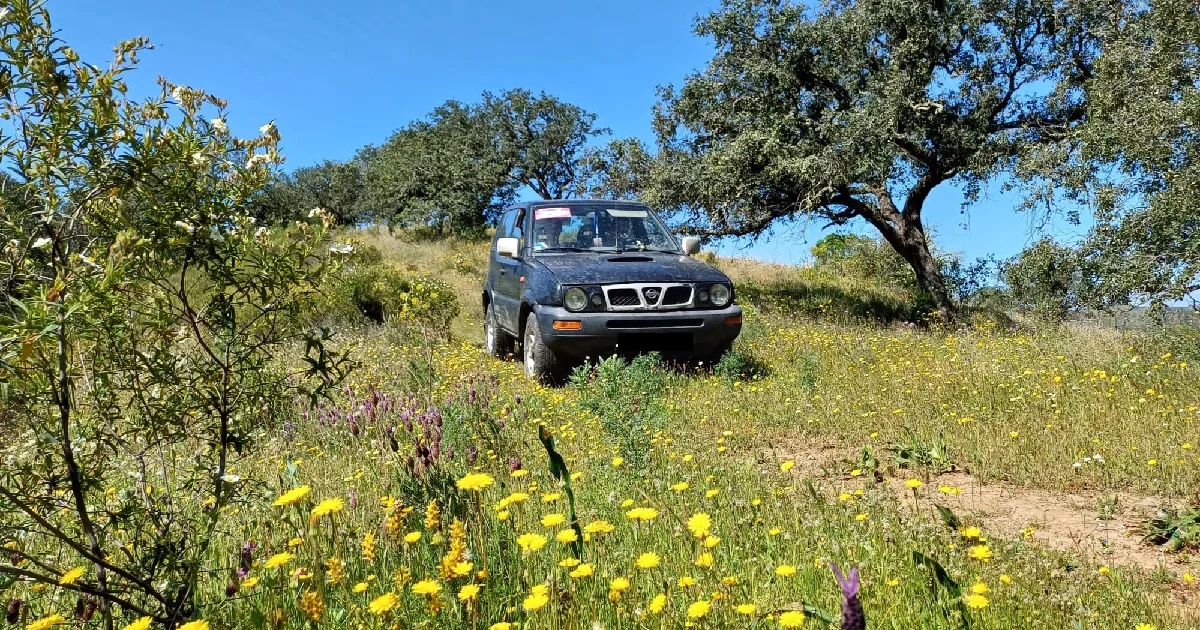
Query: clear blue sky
337,76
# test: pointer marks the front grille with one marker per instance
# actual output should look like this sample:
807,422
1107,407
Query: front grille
677,295
623,297
633,324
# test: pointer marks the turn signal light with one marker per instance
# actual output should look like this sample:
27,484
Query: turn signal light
570,324
733,320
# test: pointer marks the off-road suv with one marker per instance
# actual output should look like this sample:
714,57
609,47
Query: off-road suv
591,278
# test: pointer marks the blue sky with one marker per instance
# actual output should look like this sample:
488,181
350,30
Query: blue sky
337,76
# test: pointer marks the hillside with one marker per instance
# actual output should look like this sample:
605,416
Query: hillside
1057,443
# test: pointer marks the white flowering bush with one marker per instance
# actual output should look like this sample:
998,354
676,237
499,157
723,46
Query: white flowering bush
145,310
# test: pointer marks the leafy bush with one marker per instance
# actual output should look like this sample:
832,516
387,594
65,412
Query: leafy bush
862,257
915,453
383,293
1174,529
140,334
1181,340
739,365
1045,279
627,398
461,262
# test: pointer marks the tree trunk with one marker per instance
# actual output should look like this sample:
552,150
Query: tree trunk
906,235
929,274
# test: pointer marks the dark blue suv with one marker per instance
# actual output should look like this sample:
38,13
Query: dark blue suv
590,278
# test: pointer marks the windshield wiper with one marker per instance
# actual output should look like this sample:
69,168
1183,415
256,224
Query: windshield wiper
561,249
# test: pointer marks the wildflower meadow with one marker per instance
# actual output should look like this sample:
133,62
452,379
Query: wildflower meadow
212,419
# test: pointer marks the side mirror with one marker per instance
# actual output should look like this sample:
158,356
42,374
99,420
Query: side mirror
691,245
507,247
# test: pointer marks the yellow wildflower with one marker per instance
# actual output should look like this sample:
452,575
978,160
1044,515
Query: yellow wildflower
648,560
697,610
539,596
468,592
291,496
140,624
700,524
475,482
327,507
72,576
531,542
385,603
278,560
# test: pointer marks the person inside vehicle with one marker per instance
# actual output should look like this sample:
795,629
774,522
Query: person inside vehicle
546,233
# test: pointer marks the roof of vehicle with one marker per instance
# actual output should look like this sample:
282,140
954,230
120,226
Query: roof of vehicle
575,202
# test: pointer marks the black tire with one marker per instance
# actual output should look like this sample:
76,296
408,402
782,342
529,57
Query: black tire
541,364
497,342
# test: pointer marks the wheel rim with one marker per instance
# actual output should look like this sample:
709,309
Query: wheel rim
529,362
489,333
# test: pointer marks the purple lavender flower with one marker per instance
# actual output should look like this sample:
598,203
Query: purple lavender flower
852,610
353,499
247,559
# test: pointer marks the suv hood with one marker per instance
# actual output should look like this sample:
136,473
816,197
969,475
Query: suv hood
613,268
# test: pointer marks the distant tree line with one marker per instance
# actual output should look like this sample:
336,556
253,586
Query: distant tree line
853,112
452,170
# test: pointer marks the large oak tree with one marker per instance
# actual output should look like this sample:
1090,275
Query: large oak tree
1137,158
860,109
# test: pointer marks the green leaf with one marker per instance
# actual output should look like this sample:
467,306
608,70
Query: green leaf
558,468
949,517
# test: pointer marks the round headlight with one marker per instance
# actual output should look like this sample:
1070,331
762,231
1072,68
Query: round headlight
703,295
575,299
719,294
597,300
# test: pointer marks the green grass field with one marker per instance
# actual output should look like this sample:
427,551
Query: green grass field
717,498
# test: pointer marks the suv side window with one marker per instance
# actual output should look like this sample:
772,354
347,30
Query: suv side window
517,228
506,224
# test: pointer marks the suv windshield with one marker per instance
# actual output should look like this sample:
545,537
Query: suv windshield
596,228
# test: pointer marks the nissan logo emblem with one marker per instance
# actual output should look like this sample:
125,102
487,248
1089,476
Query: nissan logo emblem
652,294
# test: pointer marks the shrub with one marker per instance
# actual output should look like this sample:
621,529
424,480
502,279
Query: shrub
1045,279
383,293
627,397
739,365
1181,340
142,331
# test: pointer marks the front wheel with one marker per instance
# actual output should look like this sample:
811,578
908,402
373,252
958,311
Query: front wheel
541,364
496,340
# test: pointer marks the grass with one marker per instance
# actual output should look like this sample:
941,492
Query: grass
1019,407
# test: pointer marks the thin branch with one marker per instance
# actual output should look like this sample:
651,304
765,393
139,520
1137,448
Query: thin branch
81,588
80,549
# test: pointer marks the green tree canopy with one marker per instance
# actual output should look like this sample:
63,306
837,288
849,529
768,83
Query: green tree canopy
1137,159
541,138
617,170
445,172
860,109
454,169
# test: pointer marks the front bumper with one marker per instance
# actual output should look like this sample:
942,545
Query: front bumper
684,333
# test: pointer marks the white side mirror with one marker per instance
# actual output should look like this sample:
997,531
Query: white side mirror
691,245
507,247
